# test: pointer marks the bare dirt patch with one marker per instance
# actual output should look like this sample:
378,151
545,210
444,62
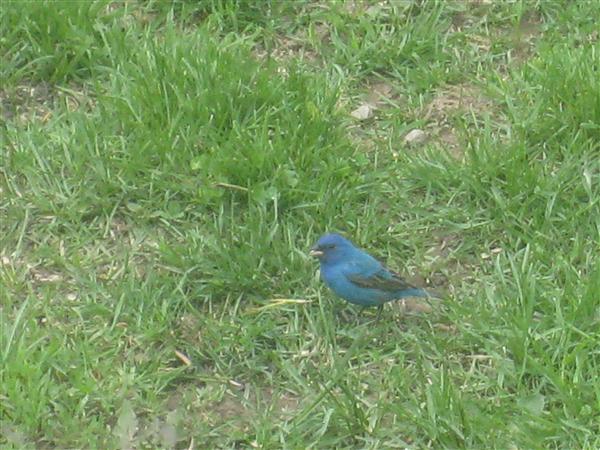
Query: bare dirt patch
524,36
26,101
237,406
36,101
447,105
292,47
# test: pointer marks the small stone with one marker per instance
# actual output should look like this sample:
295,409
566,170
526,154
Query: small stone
363,112
415,136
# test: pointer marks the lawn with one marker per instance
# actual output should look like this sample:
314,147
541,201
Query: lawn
166,166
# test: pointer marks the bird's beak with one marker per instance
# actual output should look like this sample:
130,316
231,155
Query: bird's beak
315,252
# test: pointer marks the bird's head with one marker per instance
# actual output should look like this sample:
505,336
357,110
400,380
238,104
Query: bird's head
332,248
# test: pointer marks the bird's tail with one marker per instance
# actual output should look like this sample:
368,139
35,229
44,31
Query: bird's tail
425,293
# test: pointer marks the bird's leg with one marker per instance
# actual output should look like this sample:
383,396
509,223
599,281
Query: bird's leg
379,311
358,316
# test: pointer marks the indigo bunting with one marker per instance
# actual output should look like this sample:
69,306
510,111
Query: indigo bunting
357,277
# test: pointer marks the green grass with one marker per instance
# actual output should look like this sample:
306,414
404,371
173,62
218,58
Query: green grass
166,166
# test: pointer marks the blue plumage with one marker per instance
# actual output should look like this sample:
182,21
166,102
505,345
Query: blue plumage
356,276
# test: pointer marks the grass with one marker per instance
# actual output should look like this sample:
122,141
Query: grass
166,165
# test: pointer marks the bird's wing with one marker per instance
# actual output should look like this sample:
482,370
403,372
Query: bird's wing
382,279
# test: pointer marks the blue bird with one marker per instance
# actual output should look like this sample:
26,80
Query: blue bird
356,276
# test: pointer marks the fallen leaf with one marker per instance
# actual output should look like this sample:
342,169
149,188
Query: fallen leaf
237,384
183,358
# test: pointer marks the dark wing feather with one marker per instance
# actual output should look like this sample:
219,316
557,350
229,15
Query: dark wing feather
384,280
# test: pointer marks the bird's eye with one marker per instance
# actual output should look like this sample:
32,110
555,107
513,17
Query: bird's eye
330,246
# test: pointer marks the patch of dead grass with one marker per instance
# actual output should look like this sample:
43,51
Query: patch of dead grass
242,407
37,101
28,101
450,103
